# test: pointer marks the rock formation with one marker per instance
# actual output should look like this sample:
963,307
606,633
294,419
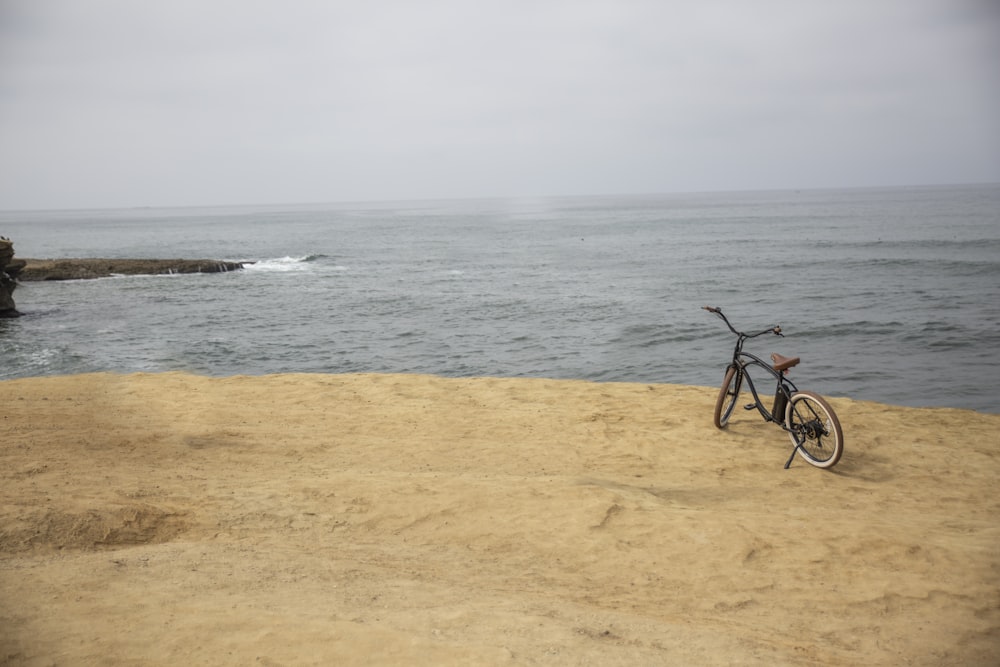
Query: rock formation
13,270
9,268
80,269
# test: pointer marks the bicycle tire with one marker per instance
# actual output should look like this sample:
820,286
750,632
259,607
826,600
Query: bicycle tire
814,429
728,394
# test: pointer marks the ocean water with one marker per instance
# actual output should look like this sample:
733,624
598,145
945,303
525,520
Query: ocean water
889,294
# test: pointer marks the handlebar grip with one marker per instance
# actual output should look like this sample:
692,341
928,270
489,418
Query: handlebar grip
710,309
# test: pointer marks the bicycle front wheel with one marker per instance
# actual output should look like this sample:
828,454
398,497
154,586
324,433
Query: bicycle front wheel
814,429
726,401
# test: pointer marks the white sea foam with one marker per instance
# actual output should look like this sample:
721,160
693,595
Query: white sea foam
279,264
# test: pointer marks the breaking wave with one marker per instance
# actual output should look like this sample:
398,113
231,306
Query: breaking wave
287,263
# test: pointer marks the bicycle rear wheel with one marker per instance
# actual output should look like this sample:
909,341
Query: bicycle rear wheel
814,428
726,401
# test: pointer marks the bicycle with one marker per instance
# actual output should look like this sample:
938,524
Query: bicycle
808,419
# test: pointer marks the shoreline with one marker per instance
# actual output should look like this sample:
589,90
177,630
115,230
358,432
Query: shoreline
313,518
712,389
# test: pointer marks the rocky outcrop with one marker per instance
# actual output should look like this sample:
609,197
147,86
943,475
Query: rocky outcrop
13,270
8,270
81,269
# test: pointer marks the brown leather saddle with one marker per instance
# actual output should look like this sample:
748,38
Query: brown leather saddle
783,363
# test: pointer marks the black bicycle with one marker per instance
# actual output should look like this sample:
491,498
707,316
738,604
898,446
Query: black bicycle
807,418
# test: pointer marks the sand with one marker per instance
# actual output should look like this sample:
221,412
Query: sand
171,519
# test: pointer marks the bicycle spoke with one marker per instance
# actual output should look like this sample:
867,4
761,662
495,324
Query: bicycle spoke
814,430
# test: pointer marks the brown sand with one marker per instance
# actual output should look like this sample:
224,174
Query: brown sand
170,519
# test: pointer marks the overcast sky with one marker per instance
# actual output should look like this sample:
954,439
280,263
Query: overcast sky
107,103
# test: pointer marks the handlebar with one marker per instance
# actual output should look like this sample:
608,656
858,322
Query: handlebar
776,330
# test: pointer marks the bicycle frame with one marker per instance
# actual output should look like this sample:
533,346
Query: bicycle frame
804,415
783,386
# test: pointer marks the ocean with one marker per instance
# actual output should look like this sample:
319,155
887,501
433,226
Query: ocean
887,294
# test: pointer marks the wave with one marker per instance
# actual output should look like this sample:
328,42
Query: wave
287,263
653,335
859,327
910,244
956,266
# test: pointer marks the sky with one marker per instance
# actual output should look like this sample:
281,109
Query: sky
119,103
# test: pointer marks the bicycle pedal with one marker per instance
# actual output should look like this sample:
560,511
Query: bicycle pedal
750,406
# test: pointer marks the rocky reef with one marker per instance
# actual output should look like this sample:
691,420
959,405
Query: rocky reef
82,269
13,270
